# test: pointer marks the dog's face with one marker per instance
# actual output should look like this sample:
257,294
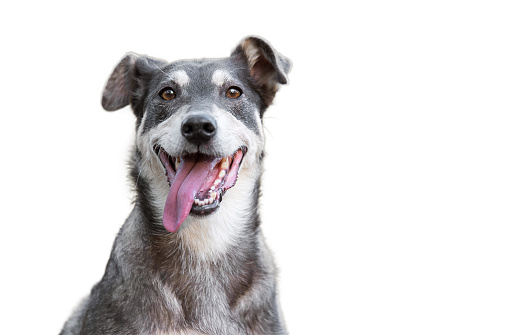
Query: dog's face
199,122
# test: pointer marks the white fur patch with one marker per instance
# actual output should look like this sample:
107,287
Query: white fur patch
220,77
180,77
211,236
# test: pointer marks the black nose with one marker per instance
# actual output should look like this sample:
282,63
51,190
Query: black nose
199,128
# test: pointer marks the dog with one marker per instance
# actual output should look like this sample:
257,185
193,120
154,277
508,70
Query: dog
191,258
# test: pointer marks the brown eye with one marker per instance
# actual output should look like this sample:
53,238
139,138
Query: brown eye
167,94
233,92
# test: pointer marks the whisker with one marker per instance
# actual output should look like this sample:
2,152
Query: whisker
158,67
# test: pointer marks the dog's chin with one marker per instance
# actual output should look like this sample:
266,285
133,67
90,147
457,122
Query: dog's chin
197,183
205,210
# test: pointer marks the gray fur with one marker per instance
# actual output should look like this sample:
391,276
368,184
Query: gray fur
215,275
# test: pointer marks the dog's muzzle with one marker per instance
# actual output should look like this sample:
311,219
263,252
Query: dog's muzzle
197,183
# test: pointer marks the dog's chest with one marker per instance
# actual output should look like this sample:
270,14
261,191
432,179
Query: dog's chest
197,300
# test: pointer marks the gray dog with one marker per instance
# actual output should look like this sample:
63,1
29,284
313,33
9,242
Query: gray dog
191,258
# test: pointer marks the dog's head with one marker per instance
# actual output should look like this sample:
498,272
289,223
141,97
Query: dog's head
199,122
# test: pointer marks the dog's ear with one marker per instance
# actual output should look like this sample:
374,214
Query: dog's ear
267,67
126,78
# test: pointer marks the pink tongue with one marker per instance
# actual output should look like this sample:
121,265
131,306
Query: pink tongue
191,175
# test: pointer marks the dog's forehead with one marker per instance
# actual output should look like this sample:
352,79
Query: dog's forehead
202,72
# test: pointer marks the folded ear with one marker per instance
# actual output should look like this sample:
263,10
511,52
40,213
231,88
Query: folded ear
268,67
126,78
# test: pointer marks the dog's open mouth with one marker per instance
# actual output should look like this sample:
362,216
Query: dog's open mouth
197,184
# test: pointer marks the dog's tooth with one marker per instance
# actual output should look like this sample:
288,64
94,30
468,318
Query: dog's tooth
222,174
213,195
224,163
210,201
216,182
213,187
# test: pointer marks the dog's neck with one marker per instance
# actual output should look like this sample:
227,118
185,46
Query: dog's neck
194,274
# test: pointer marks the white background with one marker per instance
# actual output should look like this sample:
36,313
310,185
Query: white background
389,183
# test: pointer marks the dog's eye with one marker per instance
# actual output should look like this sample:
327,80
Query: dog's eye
167,93
233,92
